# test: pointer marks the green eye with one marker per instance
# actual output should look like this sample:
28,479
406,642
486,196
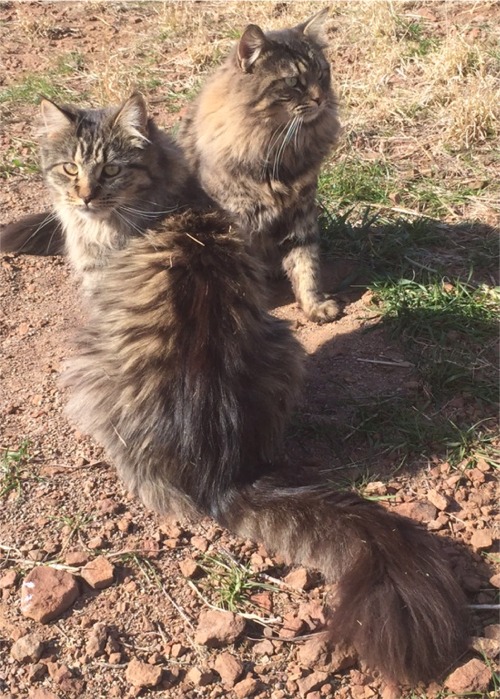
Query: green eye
291,82
111,170
70,169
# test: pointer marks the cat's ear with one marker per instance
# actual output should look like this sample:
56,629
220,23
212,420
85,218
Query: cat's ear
133,117
250,46
314,27
54,118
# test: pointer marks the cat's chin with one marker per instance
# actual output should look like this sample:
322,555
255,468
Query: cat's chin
92,214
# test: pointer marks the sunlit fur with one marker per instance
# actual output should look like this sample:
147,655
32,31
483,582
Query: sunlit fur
257,135
111,174
189,384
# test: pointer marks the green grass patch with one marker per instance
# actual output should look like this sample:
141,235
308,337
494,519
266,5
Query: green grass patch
32,87
231,582
394,425
447,329
350,181
396,246
15,470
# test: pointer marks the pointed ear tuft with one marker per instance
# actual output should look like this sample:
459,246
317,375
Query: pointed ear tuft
250,46
133,117
54,119
314,27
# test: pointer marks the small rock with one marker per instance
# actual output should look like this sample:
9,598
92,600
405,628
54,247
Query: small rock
313,652
97,542
97,640
59,673
41,693
492,631
142,674
217,629
487,646
200,678
342,659
36,672
98,573
264,647
495,580
246,688
200,543
8,579
190,568
313,681
313,613
420,511
474,676
229,668
300,579
263,599
107,506
178,650
76,558
27,649
437,499
46,593
481,539
292,626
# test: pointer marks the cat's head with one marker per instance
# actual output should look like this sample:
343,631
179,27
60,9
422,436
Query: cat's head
94,161
285,73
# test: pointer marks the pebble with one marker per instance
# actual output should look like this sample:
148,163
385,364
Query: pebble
246,688
481,539
313,681
98,573
229,668
190,568
140,674
300,579
217,629
8,580
27,649
437,499
200,678
421,511
46,593
474,676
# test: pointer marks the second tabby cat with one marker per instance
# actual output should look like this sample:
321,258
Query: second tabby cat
256,137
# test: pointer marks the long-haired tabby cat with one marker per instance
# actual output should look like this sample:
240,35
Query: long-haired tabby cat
257,135
111,174
188,383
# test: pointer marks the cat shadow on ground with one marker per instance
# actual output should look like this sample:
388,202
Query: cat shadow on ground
382,400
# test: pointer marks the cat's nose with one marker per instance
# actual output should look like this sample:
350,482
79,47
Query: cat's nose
87,199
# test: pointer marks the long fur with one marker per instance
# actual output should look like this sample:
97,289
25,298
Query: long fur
188,383
257,143
94,213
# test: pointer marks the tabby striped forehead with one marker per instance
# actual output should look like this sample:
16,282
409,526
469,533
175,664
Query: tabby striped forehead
93,138
295,57
97,140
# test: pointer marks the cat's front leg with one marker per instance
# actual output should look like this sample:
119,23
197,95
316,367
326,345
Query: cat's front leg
301,264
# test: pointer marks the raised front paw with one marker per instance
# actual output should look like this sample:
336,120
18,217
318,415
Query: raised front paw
323,311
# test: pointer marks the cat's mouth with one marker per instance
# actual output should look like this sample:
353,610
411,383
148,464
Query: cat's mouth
91,213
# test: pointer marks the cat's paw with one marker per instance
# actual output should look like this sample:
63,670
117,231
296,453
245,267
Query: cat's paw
324,311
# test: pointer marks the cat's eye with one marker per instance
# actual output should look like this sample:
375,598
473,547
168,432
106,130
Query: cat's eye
111,170
291,81
70,169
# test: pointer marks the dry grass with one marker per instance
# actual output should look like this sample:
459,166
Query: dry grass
419,82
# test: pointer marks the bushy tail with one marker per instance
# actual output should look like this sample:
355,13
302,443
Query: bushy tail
36,234
398,604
